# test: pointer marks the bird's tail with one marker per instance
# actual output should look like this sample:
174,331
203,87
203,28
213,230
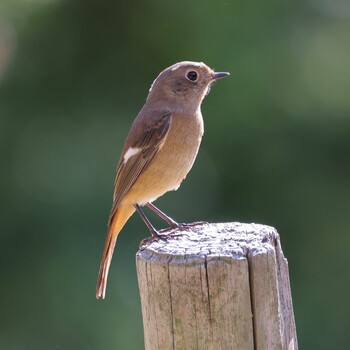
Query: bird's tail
119,219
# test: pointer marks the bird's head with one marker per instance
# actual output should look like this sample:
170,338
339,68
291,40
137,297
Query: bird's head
182,87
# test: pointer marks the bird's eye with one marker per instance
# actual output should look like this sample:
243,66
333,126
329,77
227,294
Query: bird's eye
192,75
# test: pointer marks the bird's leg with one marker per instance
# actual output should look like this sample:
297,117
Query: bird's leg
155,234
173,224
147,222
166,218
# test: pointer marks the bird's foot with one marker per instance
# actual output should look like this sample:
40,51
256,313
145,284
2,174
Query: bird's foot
171,232
163,235
155,237
183,226
196,223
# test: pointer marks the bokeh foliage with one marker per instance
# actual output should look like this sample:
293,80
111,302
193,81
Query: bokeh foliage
276,151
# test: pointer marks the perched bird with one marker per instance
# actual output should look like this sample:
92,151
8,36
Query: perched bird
159,150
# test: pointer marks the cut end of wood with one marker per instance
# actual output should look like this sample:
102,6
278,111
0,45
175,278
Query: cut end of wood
200,240
216,286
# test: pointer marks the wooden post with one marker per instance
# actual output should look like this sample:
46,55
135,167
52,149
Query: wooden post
216,286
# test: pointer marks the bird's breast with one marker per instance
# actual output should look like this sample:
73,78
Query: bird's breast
182,142
173,161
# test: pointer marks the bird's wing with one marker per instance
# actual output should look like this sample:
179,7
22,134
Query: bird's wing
146,141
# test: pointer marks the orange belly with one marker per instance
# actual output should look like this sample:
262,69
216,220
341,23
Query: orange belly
172,162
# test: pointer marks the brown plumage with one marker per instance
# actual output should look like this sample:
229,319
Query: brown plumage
159,150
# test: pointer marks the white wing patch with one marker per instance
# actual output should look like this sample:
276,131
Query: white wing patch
131,152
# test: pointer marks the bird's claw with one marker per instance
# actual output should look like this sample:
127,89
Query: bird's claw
183,226
170,232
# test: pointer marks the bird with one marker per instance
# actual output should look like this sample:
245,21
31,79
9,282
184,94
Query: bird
159,150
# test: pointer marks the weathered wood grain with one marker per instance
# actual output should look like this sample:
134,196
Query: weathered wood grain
216,286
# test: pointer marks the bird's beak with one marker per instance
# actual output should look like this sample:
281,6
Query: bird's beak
218,75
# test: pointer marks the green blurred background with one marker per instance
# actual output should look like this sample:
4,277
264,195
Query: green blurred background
74,74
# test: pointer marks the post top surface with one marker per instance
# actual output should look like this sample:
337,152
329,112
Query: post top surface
202,241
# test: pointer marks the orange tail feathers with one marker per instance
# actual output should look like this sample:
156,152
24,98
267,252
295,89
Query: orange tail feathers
120,217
